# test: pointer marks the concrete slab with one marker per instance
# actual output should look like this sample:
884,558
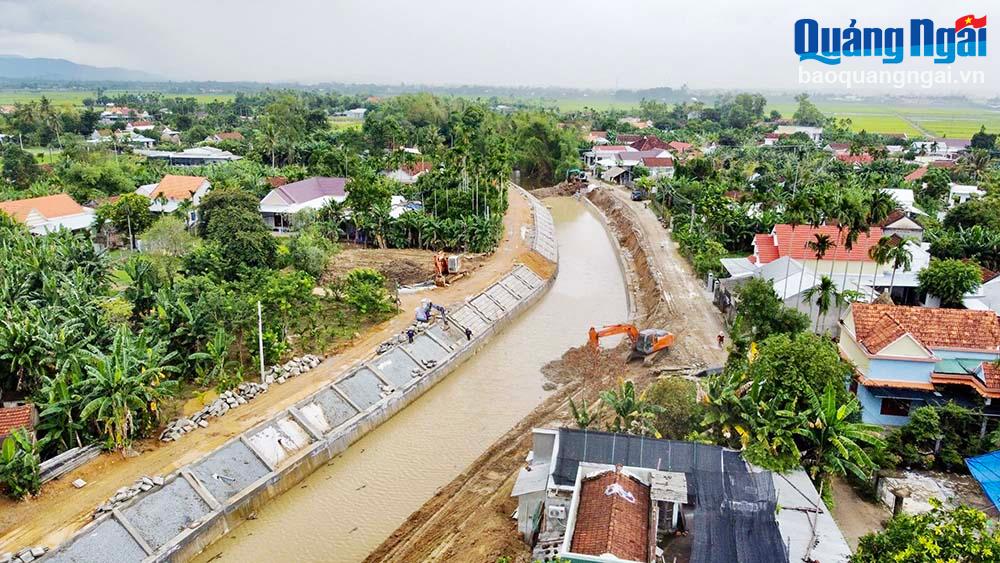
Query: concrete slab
166,512
107,542
276,442
469,318
503,296
454,337
229,470
487,307
516,286
362,387
424,348
396,366
335,409
530,278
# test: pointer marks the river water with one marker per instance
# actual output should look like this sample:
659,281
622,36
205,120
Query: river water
346,509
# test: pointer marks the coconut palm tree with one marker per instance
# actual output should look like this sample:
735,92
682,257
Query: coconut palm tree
879,206
976,163
825,295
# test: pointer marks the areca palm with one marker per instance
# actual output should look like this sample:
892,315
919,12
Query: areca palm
820,245
122,388
837,443
824,295
889,251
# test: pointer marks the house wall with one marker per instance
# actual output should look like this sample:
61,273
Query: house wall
829,324
900,370
853,352
871,407
905,346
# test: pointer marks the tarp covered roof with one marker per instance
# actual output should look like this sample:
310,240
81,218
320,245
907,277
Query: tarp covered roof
986,469
734,506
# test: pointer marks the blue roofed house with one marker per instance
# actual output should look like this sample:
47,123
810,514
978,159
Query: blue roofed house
908,357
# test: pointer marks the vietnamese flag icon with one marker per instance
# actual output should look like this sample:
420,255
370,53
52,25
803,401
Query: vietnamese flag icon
970,21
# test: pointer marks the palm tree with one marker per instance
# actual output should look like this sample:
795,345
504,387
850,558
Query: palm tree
900,257
825,295
820,245
837,442
880,205
633,413
976,163
122,388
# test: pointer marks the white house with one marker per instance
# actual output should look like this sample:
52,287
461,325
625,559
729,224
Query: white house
167,195
814,133
281,203
959,194
948,149
356,113
49,213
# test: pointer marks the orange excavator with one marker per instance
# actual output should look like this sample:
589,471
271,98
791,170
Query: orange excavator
644,342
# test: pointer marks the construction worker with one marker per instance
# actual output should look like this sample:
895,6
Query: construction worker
468,334
410,333
721,338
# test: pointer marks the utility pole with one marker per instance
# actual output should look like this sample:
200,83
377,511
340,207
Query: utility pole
260,339
131,238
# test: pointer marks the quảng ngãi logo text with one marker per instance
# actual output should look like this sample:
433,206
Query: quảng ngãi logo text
944,44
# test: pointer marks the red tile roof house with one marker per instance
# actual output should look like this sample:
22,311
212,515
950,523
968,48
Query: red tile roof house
784,243
281,203
49,213
610,517
908,357
856,160
167,194
16,418
649,142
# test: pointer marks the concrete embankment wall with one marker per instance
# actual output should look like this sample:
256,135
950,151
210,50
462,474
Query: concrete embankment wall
204,500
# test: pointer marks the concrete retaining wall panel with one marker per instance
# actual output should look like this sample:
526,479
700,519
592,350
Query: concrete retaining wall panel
362,387
105,542
166,512
227,471
487,307
503,296
468,318
335,409
424,349
397,367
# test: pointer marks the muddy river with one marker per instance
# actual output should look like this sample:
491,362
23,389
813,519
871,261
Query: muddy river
346,509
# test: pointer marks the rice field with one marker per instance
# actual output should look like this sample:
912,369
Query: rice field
76,97
954,122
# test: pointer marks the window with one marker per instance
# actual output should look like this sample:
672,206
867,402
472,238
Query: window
895,407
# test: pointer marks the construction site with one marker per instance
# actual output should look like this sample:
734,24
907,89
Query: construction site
470,518
378,454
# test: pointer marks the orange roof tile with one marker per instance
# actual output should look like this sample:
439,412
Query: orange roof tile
177,187
649,142
877,326
766,250
611,523
792,243
916,174
679,146
12,418
50,206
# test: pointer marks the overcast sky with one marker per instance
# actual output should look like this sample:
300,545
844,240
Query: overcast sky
577,43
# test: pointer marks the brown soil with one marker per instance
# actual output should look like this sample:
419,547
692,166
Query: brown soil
59,510
405,266
470,518
561,189
854,515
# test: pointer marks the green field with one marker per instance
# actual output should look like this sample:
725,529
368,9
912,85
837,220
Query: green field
955,122
75,97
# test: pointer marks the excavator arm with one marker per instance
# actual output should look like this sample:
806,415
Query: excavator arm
596,335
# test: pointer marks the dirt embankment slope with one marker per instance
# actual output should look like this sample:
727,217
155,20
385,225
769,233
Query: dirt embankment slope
470,518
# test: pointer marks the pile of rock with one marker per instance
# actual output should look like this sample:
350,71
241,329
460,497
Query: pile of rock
292,368
246,391
125,494
26,555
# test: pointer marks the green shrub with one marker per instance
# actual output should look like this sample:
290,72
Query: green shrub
364,289
19,466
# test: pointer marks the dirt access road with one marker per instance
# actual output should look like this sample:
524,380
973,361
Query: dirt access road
470,518
60,510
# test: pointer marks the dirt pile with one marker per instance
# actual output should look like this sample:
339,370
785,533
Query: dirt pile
404,266
560,189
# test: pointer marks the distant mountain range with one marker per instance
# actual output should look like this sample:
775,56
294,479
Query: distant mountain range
18,67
